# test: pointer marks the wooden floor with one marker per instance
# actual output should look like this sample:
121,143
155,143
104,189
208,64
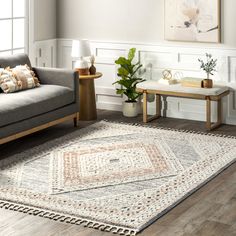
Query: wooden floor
211,211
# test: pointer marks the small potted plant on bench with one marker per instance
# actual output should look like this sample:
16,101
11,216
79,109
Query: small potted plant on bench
128,74
209,68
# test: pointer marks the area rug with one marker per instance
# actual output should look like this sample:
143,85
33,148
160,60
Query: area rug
114,177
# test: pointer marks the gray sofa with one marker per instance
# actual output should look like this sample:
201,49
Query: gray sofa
28,111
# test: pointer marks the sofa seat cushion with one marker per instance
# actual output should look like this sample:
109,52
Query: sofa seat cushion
29,103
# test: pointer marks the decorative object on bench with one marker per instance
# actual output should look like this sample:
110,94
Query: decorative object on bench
128,73
92,68
17,78
207,83
192,82
167,78
81,49
127,176
31,110
209,67
214,94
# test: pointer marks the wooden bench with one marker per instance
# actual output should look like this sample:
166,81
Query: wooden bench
214,94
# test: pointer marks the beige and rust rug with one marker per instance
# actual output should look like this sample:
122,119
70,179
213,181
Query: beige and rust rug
113,177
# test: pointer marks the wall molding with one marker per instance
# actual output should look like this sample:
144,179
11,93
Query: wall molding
45,53
155,58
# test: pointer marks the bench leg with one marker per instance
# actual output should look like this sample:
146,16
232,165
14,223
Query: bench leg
208,113
209,125
145,120
219,115
158,105
219,111
165,106
145,106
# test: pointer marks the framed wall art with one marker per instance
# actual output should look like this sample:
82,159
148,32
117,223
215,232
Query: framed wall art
193,20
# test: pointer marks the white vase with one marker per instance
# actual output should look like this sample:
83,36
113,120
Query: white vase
131,109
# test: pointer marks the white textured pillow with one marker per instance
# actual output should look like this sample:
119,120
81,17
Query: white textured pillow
18,78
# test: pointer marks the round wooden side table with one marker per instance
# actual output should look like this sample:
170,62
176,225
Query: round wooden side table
87,100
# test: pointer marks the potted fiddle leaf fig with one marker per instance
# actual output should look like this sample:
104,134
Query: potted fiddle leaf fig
128,79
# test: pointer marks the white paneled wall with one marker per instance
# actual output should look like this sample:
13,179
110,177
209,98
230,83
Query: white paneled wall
45,53
155,59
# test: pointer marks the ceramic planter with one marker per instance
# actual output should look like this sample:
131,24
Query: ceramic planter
208,83
131,109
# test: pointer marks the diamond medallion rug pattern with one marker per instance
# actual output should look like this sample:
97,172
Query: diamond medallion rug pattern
113,177
102,165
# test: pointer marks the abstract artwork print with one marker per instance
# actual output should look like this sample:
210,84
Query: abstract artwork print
192,20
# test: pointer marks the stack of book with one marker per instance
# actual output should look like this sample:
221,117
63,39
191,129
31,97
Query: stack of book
192,82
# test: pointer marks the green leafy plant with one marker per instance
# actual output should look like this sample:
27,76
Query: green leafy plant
128,73
208,66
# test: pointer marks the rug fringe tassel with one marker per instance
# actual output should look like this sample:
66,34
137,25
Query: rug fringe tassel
171,129
67,219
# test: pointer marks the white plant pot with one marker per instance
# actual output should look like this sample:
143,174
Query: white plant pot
131,109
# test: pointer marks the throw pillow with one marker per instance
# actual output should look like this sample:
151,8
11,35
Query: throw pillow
18,78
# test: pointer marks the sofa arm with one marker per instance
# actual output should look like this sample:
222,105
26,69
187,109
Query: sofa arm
63,77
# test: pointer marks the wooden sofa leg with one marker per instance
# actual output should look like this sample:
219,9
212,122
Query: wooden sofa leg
76,120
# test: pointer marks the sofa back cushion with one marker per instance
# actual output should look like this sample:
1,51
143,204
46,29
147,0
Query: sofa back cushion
14,60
